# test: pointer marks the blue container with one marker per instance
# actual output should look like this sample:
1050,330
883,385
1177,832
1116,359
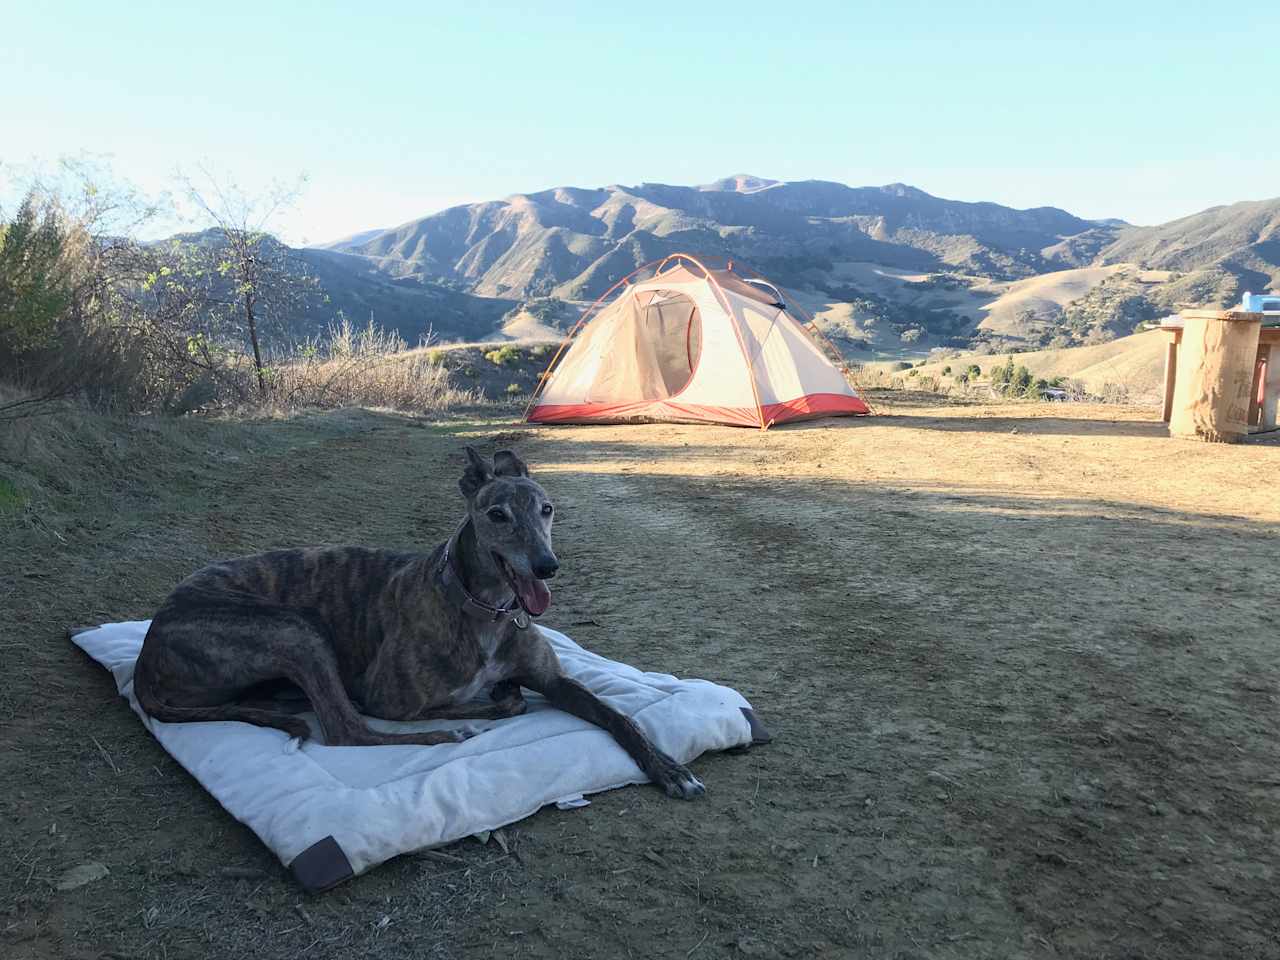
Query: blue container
1260,303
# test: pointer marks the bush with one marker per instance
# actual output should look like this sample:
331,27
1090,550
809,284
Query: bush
1021,381
514,389
505,356
1016,381
1115,392
36,275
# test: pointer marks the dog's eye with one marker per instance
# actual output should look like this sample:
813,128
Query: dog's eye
546,510
498,515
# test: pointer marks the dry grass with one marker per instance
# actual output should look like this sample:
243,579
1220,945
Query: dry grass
71,461
371,367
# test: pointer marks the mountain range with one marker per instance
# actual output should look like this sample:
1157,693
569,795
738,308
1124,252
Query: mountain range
889,269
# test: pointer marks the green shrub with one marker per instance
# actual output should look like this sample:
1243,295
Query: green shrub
35,277
505,356
513,389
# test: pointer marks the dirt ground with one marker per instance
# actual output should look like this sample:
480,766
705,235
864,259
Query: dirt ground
1020,662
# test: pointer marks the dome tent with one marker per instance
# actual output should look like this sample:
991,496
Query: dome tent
688,342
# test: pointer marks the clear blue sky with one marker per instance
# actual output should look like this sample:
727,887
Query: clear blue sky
1145,111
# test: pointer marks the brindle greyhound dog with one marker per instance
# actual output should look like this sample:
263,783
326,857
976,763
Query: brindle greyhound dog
409,636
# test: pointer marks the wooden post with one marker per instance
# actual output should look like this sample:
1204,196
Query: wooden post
1255,386
1216,358
1170,373
1271,389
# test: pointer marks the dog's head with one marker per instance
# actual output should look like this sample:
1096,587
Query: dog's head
511,516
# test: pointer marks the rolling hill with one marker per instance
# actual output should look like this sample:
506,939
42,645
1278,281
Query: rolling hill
888,271
1240,241
574,243
411,307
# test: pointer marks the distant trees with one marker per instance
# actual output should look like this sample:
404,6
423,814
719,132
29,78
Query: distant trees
1113,308
63,266
86,309
90,312
1017,381
251,282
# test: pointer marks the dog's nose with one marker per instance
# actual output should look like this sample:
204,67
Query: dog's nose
546,568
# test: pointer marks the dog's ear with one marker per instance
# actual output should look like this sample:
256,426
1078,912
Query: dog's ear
477,474
507,464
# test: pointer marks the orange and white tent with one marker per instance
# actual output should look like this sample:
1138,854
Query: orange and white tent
694,344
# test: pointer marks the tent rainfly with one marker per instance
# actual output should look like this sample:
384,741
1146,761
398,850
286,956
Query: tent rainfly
692,344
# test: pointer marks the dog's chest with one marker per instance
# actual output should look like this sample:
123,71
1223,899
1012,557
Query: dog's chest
492,668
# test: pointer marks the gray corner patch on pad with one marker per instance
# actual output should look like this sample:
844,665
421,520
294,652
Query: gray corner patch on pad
321,866
758,733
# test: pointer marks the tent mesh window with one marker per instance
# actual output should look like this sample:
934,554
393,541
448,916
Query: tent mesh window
663,331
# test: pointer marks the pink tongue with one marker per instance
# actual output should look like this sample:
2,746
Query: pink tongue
534,595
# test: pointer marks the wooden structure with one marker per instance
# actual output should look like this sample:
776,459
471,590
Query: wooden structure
1221,374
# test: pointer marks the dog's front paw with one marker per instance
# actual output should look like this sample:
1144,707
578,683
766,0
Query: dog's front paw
512,706
676,779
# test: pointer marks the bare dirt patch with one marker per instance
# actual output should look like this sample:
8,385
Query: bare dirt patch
1020,662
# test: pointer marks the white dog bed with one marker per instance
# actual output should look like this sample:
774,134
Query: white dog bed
330,813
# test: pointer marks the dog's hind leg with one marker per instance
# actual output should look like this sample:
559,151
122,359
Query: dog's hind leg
293,726
316,672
